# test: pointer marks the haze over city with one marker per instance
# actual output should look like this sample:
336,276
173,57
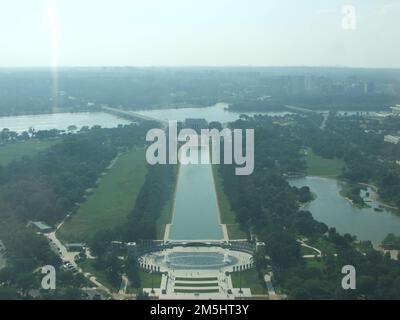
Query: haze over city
46,33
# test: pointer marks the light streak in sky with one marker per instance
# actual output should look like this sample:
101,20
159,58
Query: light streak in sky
54,33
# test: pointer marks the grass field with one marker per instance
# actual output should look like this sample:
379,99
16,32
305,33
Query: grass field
321,167
17,150
111,202
307,251
324,245
147,280
228,216
166,214
88,266
249,279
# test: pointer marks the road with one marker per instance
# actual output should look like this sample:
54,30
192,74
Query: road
325,114
69,257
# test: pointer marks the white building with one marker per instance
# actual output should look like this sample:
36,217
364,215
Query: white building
396,110
392,139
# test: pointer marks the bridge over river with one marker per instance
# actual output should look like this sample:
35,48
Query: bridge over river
130,115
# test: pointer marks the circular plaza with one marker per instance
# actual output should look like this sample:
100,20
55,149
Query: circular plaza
196,258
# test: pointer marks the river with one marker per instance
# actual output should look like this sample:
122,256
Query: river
217,112
336,211
60,121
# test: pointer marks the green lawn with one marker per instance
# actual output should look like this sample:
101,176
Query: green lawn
88,266
147,280
324,245
249,279
166,214
228,216
111,202
308,251
318,166
17,150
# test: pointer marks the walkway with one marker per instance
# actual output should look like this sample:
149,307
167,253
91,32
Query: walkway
309,256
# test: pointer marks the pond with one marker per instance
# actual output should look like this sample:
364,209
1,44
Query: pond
196,213
336,211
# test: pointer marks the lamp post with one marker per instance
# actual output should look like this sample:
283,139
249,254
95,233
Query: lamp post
240,282
152,282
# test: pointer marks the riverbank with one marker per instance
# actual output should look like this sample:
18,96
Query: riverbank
375,197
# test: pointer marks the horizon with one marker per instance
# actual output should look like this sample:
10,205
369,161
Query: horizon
202,67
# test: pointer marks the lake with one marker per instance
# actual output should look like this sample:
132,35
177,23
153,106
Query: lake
60,121
217,112
335,211
196,214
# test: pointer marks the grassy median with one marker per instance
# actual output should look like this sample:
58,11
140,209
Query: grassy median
111,202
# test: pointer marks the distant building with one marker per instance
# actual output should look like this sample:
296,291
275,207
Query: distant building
196,124
396,110
392,139
41,226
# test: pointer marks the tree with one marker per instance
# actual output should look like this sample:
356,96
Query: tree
101,242
26,281
283,249
8,293
72,128
132,272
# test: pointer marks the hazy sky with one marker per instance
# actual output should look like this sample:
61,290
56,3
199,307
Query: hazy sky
198,32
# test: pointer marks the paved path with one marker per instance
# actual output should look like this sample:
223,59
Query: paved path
319,252
124,285
269,285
